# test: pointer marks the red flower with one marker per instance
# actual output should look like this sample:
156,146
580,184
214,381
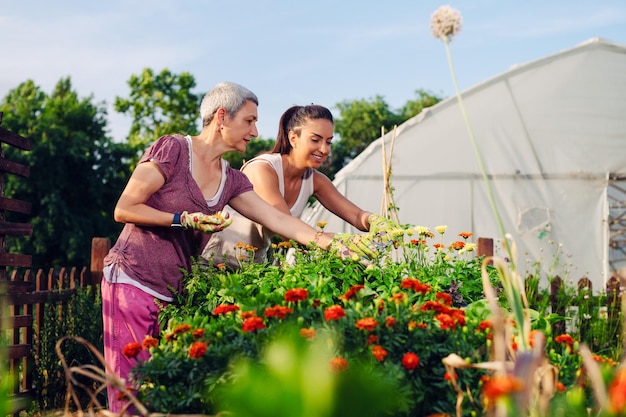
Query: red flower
224,309
450,377
198,333
131,350
338,364
565,339
391,322
466,235
560,387
415,285
445,321
278,311
253,323
439,246
398,297
444,298
368,323
296,294
308,334
379,352
197,350
371,339
149,342
334,313
484,325
410,361
352,292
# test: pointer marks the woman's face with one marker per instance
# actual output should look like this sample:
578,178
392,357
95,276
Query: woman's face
312,147
239,129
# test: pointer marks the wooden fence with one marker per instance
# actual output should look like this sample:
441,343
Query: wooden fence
26,295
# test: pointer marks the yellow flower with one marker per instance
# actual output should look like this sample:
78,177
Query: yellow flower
470,247
422,230
441,229
322,225
445,23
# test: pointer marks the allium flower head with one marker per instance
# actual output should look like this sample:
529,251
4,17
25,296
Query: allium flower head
445,23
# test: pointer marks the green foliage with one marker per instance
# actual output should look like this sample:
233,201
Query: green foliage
255,147
76,173
160,104
80,316
360,122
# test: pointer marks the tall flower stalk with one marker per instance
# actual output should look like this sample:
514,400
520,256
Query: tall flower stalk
445,23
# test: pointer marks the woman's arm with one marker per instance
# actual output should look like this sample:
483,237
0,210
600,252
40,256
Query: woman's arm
258,210
131,207
265,182
328,195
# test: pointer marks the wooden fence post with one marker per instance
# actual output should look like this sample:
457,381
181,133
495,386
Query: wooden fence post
99,248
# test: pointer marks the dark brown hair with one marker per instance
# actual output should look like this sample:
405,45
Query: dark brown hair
293,119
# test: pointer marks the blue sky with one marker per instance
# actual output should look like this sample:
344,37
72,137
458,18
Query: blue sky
287,52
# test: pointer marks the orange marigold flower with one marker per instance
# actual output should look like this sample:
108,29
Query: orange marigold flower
391,322
338,364
466,235
415,285
197,350
253,323
121,396
422,325
169,337
560,387
352,292
458,245
316,303
439,246
198,333
131,350
308,334
617,392
279,312
379,352
410,361
497,386
398,297
484,325
225,309
566,339
532,336
334,313
444,298
182,328
248,314
367,323
435,306
445,321
296,294
450,376
149,342
412,325
220,266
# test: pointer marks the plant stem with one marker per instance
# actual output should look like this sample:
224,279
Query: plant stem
481,165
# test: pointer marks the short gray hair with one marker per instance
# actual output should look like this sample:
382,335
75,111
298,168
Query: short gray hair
230,96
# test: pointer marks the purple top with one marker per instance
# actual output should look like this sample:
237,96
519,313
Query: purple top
155,255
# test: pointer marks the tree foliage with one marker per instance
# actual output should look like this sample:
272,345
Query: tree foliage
76,173
361,122
159,104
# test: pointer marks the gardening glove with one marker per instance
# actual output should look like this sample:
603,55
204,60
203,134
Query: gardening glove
207,223
356,247
385,229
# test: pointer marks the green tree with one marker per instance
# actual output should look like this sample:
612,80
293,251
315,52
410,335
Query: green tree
76,173
254,148
159,104
360,123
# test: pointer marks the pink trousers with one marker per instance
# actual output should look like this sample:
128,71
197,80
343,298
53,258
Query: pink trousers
129,315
